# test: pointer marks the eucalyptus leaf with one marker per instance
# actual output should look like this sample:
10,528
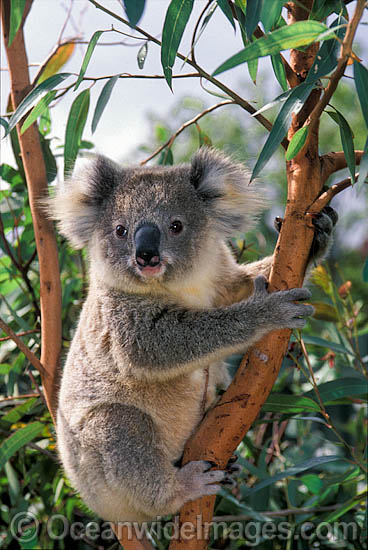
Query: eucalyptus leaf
33,97
74,130
225,8
17,440
346,140
16,15
296,143
176,19
87,57
279,70
103,100
337,389
361,83
296,35
38,110
316,341
293,104
363,168
142,54
134,10
252,16
285,403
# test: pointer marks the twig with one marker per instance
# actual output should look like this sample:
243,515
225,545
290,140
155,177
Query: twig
22,396
25,333
333,162
45,62
326,196
170,141
149,76
193,41
345,52
27,352
68,15
239,100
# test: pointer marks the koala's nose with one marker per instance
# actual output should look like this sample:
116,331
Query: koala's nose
147,242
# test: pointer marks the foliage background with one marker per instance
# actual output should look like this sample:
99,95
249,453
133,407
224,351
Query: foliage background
294,428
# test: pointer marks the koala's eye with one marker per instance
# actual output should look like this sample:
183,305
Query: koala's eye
121,231
176,227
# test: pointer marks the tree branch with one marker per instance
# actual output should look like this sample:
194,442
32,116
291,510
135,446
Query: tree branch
170,141
32,358
333,162
326,197
35,171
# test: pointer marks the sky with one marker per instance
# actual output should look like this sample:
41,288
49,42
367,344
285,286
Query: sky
124,124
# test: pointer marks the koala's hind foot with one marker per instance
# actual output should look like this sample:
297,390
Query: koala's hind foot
198,479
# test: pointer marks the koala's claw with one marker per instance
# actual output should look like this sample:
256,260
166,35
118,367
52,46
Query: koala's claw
278,223
323,223
198,480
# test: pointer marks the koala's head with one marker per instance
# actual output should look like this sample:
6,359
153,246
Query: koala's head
155,224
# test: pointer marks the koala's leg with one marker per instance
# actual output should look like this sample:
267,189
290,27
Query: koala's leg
125,473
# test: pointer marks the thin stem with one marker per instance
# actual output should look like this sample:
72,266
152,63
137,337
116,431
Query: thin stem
326,196
32,358
170,141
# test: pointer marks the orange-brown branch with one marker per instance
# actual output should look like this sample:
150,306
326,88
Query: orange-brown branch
35,171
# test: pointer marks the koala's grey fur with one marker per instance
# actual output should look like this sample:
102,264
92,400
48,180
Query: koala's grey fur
134,379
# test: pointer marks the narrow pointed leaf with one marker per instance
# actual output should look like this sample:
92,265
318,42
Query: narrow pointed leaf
38,110
270,13
102,101
294,470
365,271
327,55
225,8
363,168
293,104
16,14
176,20
134,10
87,57
252,16
336,389
4,124
74,130
279,70
17,440
58,60
252,69
279,99
142,54
346,140
334,346
283,403
361,83
296,35
296,143
34,96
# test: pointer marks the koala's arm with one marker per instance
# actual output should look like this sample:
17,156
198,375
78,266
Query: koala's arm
238,284
160,340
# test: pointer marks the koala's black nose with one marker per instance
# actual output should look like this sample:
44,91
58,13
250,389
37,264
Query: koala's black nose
147,242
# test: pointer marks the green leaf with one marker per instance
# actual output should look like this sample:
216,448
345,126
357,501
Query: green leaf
166,157
33,97
225,8
270,13
50,162
176,19
134,10
296,143
296,35
16,15
325,312
316,341
4,124
361,84
337,389
346,139
279,70
313,482
363,168
102,101
307,465
346,506
365,271
74,130
29,539
279,99
284,403
38,110
293,104
327,55
17,413
17,440
252,16
253,68
142,54
87,57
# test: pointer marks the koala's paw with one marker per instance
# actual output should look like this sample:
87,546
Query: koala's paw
278,309
323,223
198,479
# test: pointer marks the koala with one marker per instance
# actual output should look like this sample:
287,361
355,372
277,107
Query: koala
166,302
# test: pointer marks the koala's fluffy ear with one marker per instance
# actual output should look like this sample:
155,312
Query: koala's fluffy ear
76,204
224,184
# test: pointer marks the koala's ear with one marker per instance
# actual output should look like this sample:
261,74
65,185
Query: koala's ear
224,185
76,204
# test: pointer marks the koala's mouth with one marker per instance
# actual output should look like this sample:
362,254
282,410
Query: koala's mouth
151,271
